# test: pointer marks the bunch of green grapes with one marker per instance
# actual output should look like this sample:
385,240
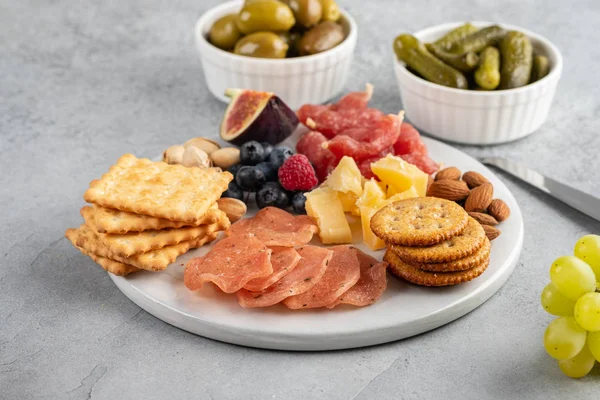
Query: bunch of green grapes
573,295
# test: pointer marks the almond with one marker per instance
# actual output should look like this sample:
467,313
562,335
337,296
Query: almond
484,219
451,173
474,179
480,198
429,181
499,210
491,232
449,190
234,208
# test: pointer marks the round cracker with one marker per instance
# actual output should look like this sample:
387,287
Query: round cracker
468,242
425,278
421,221
462,264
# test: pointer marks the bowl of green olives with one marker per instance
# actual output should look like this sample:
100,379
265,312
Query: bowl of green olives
299,49
476,82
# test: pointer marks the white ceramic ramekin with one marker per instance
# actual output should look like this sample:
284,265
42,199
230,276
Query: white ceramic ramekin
297,81
478,117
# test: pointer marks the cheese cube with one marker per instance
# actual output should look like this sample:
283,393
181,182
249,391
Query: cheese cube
324,205
369,237
346,177
400,175
349,202
372,194
407,194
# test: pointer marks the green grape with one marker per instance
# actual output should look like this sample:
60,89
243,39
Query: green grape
588,249
593,342
555,303
578,366
587,311
572,277
564,339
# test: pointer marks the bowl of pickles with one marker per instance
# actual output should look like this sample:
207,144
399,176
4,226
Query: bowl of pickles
299,49
476,82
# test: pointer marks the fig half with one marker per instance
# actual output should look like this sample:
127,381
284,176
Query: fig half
260,116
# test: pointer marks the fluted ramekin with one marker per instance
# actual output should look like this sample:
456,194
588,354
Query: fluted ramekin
297,81
479,117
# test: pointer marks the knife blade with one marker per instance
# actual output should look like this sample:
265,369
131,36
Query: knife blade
581,201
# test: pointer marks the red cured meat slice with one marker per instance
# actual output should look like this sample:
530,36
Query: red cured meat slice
331,123
311,145
308,272
370,286
283,260
342,273
409,141
423,162
355,100
275,227
360,143
230,264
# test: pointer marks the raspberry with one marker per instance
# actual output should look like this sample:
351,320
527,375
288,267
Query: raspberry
297,173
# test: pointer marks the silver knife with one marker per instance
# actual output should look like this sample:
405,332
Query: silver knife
575,198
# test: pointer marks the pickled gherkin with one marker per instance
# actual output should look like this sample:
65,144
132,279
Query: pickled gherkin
462,62
456,34
416,56
479,40
540,68
517,59
487,75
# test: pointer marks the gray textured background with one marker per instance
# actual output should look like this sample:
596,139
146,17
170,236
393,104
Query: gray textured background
82,82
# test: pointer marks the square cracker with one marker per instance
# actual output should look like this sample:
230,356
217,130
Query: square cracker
114,267
132,243
158,189
109,220
154,260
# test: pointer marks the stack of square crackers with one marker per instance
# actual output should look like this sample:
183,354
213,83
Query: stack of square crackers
144,214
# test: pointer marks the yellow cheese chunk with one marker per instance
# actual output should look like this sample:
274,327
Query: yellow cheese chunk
373,194
324,205
346,177
400,175
349,202
407,194
369,237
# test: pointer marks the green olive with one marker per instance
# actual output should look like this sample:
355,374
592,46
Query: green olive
291,38
322,37
331,11
224,33
262,45
265,15
307,12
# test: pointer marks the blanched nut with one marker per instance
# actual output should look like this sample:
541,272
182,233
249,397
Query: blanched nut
194,157
206,145
174,154
226,157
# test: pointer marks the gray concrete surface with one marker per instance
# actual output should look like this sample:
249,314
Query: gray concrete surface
82,82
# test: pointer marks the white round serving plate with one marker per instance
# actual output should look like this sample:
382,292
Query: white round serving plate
404,310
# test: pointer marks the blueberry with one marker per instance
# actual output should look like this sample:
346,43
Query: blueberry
268,170
270,196
278,186
251,153
234,169
234,191
298,203
279,155
250,178
268,148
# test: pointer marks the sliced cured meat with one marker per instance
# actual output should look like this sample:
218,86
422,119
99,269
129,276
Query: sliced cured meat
230,264
370,286
341,274
423,162
275,227
355,100
308,272
364,142
323,160
331,123
409,141
283,261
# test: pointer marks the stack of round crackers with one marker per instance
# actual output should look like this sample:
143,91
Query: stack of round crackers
432,241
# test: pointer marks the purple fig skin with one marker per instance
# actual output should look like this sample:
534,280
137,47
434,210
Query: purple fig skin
273,124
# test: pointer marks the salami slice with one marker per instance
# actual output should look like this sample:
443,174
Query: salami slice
275,227
370,286
308,272
230,264
341,274
283,260
311,145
